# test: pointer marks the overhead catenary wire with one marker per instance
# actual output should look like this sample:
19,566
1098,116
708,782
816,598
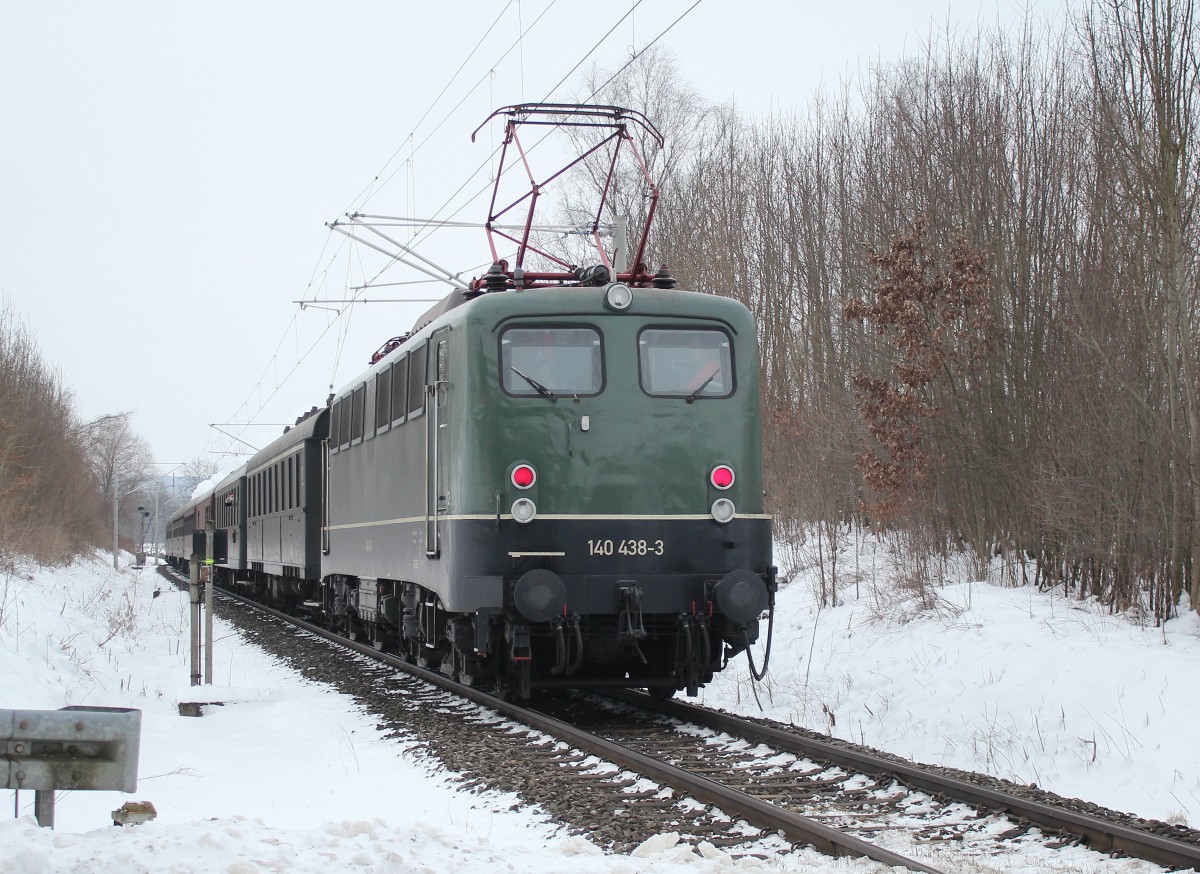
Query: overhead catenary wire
495,150
422,233
433,223
341,340
645,48
599,43
486,76
318,271
417,238
414,149
408,139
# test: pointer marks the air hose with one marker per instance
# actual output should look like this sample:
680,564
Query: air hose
754,672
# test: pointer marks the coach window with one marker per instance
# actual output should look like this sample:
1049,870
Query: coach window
416,382
399,390
383,400
551,360
357,399
685,363
288,503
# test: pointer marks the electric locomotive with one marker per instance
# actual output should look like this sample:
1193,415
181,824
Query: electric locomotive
556,487
554,480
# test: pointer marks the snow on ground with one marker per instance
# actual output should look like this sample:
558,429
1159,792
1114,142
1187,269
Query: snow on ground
289,776
1031,686
293,776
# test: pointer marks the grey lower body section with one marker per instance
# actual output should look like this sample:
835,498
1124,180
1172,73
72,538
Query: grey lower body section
672,562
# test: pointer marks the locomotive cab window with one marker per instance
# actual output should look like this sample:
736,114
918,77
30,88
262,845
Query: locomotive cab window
685,363
551,361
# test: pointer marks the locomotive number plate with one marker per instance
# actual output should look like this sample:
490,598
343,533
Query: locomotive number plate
626,547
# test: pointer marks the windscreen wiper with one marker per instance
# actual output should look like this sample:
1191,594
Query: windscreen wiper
703,385
541,389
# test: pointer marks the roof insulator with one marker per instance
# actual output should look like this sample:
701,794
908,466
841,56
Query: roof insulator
596,275
664,279
495,279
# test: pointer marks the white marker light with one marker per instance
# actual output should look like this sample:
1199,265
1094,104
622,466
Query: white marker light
523,510
723,510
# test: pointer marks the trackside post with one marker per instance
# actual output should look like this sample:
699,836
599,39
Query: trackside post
194,590
209,563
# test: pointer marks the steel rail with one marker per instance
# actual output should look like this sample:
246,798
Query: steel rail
764,815
1099,834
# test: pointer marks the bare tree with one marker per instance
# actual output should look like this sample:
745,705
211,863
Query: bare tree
122,462
1143,57
47,497
200,468
650,83
1072,175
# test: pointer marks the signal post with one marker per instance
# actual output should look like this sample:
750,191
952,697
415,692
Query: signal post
201,575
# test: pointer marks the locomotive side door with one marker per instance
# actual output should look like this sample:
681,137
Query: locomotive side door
437,450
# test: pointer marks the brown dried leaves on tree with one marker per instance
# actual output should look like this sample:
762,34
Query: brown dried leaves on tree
931,308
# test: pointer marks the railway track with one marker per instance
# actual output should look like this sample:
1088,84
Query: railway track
1162,844
647,767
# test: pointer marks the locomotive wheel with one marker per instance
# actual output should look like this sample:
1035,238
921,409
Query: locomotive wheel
430,659
505,689
472,670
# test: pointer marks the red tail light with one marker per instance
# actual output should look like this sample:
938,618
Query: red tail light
721,477
523,476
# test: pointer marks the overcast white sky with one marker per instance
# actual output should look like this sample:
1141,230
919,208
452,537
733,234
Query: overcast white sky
167,168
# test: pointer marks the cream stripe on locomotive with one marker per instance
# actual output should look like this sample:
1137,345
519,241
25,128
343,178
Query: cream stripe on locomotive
491,517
